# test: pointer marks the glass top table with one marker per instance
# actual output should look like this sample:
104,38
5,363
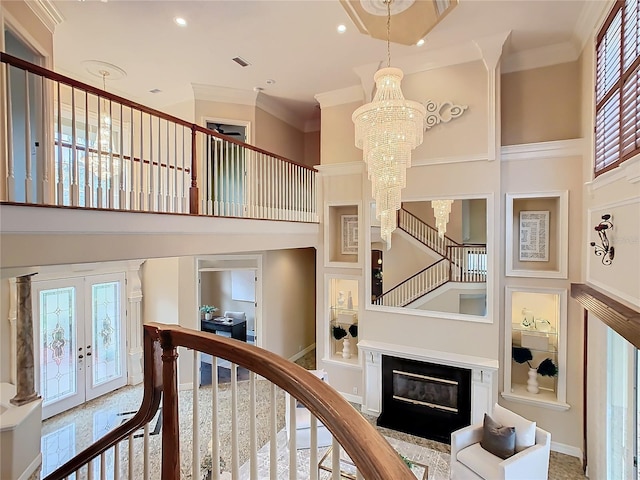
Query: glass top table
348,469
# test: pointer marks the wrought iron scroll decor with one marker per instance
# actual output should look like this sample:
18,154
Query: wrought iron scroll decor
605,250
441,112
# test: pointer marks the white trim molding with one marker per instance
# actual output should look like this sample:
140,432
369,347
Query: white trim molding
340,97
421,162
541,57
628,170
536,151
214,93
337,169
567,449
48,14
303,352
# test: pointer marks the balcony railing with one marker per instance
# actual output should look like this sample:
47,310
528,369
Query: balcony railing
74,145
182,447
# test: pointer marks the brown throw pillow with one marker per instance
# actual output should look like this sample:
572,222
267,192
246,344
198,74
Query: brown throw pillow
497,439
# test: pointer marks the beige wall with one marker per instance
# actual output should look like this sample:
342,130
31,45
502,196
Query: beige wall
312,148
277,136
541,104
533,176
337,134
424,211
464,84
289,298
160,290
24,23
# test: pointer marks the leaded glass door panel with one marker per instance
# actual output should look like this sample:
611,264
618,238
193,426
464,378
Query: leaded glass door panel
105,335
60,340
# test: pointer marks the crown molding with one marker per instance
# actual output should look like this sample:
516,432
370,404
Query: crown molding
341,96
491,48
555,149
214,93
275,108
591,17
47,13
541,57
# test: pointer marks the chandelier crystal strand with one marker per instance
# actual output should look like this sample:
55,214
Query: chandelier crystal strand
441,210
386,130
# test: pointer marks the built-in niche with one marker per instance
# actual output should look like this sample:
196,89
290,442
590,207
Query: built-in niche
536,234
426,272
342,334
342,235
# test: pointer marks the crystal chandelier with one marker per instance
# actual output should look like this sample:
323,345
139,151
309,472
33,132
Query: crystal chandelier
441,210
105,119
386,130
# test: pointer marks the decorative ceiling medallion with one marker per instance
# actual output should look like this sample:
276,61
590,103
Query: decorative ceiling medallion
379,7
99,69
441,112
412,20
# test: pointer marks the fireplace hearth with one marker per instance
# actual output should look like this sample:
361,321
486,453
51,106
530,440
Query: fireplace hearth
424,399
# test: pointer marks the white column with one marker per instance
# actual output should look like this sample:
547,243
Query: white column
134,323
372,383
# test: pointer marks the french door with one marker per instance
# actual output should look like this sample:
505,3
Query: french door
79,328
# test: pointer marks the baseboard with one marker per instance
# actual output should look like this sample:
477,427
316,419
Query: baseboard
352,398
567,450
33,466
302,353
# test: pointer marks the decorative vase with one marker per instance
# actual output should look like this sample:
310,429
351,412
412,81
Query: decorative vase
208,316
346,348
532,383
341,299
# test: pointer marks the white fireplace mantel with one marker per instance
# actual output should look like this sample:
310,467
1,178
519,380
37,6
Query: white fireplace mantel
484,388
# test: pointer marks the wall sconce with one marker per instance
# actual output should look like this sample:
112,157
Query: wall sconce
605,250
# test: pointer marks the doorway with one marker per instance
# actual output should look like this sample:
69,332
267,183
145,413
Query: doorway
79,330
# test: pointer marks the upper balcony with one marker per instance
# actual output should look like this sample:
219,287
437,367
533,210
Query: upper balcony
128,181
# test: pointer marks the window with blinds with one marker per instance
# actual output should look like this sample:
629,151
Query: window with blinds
617,122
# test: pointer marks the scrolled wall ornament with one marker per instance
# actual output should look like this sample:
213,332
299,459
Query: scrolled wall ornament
441,112
606,250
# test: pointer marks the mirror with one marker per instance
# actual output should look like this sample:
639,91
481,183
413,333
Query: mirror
427,271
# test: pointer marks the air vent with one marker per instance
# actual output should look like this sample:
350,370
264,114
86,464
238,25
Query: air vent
241,61
155,90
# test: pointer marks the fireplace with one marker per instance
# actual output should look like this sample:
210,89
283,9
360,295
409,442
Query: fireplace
424,399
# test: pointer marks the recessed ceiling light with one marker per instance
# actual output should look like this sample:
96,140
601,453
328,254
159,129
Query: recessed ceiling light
342,28
180,21
420,42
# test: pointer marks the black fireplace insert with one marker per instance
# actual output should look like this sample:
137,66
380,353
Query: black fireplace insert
424,399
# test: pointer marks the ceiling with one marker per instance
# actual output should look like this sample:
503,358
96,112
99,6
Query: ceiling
293,42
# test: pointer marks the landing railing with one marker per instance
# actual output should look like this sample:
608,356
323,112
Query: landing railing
183,447
424,233
89,148
416,286
469,263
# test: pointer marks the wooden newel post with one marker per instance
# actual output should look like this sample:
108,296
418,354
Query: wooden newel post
25,387
170,420
193,190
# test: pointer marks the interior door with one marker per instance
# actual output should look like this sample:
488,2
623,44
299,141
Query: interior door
79,328
59,337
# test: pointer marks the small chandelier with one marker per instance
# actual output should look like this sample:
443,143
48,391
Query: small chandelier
105,119
441,210
386,130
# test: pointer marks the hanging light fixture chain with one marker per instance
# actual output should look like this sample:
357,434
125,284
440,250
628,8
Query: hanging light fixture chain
388,2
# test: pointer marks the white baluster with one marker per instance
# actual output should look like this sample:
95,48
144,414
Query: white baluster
111,172
74,190
146,472
159,171
60,183
141,176
28,181
116,460
11,179
335,460
235,466
122,190
131,456
132,192
167,191
150,176
313,447
103,466
293,449
253,434
195,428
273,442
215,439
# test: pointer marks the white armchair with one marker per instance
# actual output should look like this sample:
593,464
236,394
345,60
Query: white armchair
469,461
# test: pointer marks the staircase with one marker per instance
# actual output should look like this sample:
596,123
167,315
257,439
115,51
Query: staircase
459,263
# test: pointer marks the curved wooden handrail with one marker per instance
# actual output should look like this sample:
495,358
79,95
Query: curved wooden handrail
150,403
370,452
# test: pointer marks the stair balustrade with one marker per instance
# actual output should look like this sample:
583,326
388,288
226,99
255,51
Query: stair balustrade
181,448
88,148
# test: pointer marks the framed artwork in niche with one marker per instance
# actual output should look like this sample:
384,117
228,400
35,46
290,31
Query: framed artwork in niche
534,236
349,234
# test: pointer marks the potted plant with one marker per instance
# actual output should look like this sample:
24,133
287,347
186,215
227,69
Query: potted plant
208,311
546,368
